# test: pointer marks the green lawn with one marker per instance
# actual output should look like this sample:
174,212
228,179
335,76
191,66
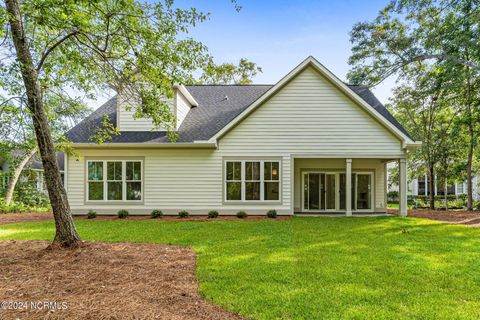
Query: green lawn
311,268
392,206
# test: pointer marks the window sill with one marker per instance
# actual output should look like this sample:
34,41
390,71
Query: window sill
249,202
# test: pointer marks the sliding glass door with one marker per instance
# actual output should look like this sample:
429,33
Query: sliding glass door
364,191
319,192
323,191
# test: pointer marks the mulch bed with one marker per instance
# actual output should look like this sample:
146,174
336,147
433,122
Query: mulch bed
46,216
471,218
7,218
177,218
102,281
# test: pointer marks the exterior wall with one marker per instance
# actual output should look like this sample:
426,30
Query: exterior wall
308,117
174,180
338,165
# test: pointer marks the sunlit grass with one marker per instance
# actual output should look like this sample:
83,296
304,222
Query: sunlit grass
311,268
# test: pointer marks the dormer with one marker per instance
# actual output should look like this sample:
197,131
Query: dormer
181,103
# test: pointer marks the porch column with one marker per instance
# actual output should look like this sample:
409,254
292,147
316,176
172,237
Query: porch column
402,166
348,187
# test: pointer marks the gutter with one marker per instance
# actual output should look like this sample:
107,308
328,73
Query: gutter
412,146
147,145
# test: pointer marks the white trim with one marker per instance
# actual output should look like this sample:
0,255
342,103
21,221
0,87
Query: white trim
310,61
186,94
65,173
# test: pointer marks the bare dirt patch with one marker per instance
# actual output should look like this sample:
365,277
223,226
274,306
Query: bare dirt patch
7,218
471,218
103,281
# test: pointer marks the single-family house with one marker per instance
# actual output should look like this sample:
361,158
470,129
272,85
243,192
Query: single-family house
308,144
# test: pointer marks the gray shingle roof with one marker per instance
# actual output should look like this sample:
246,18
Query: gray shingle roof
217,106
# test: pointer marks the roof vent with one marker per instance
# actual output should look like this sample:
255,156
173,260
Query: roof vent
226,97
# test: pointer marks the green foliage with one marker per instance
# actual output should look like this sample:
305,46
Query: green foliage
392,195
242,214
365,268
228,73
156,214
212,214
183,214
432,47
27,194
272,214
16,207
477,205
410,32
122,214
105,131
91,214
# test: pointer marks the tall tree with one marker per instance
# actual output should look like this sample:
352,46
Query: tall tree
423,104
229,73
443,33
85,45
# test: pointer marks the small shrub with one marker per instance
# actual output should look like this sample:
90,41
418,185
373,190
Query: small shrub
272,214
476,205
156,214
212,214
183,214
91,214
392,196
122,214
241,214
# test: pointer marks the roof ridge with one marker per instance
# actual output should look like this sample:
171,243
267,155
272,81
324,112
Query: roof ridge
228,85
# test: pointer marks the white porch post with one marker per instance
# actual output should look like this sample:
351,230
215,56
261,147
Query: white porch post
402,165
348,191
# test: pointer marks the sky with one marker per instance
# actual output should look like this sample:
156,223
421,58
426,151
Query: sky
278,35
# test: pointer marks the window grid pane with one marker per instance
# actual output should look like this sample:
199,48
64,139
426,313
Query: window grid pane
114,171
271,181
95,171
252,180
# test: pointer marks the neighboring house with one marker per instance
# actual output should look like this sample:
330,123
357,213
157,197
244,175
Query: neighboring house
308,144
419,186
33,171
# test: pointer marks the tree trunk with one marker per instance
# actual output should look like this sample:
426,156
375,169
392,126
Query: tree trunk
431,185
16,174
469,166
66,235
446,196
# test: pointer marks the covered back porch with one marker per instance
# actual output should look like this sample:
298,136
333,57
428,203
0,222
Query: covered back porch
333,185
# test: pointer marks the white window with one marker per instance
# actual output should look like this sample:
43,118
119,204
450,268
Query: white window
115,180
252,180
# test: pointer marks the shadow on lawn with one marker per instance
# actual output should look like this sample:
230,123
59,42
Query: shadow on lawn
375,267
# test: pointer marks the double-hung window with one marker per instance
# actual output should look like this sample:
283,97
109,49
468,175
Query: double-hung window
115,180
252,180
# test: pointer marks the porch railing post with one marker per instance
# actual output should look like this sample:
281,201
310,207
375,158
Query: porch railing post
348,187
402,187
